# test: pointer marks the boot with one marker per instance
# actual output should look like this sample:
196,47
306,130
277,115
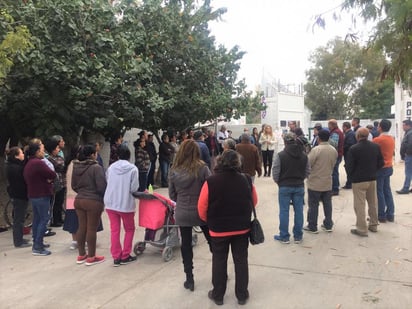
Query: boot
189,283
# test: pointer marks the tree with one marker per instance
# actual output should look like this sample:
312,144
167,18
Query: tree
97,67
344,82
392,34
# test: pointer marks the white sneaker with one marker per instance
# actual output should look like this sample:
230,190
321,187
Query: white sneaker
73,246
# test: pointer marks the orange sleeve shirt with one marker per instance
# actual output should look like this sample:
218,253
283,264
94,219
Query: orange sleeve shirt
203,205
387,145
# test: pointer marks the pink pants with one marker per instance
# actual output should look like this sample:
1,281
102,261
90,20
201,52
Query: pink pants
129,227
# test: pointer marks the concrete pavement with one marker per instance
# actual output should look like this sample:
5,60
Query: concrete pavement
327,270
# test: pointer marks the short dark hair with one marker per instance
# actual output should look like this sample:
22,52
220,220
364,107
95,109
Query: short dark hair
346,124
357,119
123,152
323,135
408,122
86,152
51,144
12,153
385,125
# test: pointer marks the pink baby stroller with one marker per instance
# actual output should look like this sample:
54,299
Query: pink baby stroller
156,214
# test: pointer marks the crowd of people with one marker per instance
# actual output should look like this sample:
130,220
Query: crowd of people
211,178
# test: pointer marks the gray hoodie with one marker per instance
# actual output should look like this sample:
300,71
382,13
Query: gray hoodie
122,180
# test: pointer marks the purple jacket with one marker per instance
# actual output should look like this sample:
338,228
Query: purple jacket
39,178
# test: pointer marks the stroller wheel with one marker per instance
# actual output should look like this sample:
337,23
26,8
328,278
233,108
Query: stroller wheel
139,247
194,240
167,254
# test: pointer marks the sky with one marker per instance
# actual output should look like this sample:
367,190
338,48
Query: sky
276,35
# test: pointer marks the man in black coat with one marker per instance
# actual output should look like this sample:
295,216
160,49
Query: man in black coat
364,160
349,140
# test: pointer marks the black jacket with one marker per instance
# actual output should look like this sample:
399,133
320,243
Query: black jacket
290,167
17,186
406,145
363,161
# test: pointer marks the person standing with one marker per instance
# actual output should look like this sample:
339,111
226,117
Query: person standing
186,178
221,136
250,157
199,137
386,206
151,150
166,152
290,168
213,146
406,155
89,182
355,124
349,140
364,160
268,142
122,182
17,191
59,184
225,203
142,162
322,159
117,140
336,140
39,178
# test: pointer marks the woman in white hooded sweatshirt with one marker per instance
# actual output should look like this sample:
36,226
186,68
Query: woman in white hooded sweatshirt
122,182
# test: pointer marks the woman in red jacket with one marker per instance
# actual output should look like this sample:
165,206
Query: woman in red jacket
225,204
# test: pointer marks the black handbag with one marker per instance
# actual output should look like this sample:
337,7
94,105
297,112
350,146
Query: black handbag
256,235
256,232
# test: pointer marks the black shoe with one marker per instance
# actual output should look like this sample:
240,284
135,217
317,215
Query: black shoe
410,191
391,219
402,192
116,262
128,260
217,302
335,193
49,233
347,187
190,285
382,220
56,225
46,245
243,301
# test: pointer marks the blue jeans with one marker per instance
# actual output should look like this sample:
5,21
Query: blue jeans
164,170
386,207
408,173
335,175
41,216
294,194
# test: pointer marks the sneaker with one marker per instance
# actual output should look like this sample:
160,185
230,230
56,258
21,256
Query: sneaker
94,260
282,240
326,229
23,245
81,259
42,252
73,245
298,240
402,191
307,229
49,233
116,262
128,260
